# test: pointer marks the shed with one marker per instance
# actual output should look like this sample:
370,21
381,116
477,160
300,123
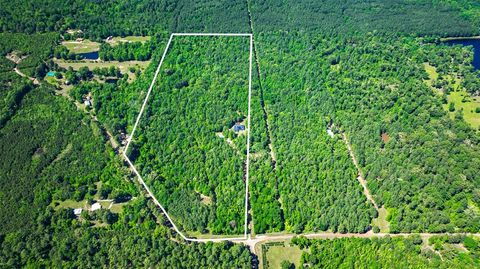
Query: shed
96,206
50,74
238,127
330,133
77,211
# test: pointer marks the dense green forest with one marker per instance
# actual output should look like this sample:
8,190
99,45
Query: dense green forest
57,153
184,146
31,49
356,67
396,252
100,19
421,17
138,239
44,138
54,152
267,213
366,92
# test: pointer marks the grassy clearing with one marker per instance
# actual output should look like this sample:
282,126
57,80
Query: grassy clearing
199,235
463,101
381,221
71,204
117,40
276,254
124,66
459,97
432,73
105,204
81,46
118,208
52,80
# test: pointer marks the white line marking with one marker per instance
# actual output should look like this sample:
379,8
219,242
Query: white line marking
148,93
210,34
129,140
248,134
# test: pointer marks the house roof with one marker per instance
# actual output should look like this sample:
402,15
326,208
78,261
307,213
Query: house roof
96,206
238,127
77,211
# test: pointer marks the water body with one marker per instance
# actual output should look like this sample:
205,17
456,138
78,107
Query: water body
474,42
89,55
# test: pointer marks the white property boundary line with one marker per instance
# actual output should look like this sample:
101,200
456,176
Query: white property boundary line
129,140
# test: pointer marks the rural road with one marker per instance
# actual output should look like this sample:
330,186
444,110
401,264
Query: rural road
329,235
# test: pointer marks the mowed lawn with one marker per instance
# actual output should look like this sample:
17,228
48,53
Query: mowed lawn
81,46
381,221
276,254
460,98
118,40
123,66
469,105
432,73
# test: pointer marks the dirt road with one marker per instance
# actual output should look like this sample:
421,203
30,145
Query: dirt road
360,177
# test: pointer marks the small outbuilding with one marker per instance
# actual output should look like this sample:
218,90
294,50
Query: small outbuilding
77,211
330,133
96,206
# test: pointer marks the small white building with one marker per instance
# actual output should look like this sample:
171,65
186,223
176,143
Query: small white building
77,211
87,103
330,133
96,206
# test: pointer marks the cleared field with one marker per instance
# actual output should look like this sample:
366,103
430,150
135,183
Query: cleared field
118,208
123,66
198,176
81,46
460,98
71,204
118,40
275,255
463,101
381,221
432,73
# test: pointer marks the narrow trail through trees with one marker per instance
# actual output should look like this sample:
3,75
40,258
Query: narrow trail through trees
360,177
34,80
264,109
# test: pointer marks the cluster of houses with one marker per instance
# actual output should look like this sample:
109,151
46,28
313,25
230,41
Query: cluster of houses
96,206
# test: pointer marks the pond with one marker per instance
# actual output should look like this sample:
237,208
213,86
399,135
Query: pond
474,42
93,55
